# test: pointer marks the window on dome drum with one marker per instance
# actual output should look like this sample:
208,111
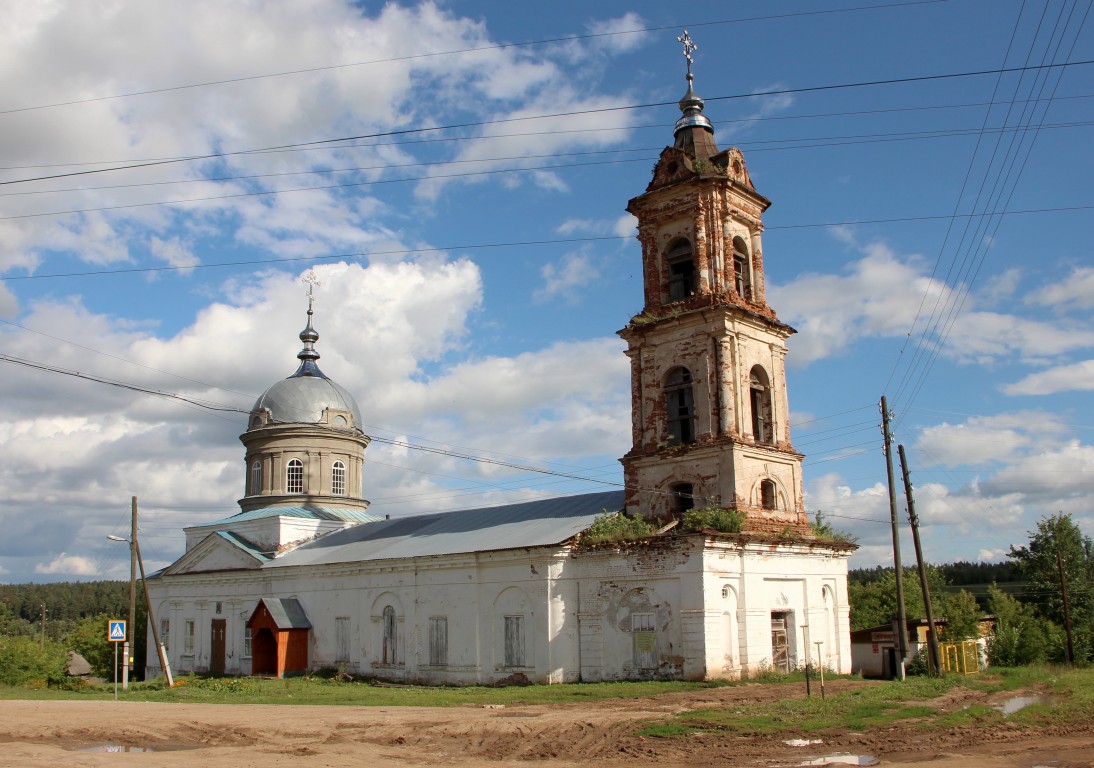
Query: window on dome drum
338,479
294,477
256,478
679,406
681,270
683,497
763,429
742,271
767,494
390,636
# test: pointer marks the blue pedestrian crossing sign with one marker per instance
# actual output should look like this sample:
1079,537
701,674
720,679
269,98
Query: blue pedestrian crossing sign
116,632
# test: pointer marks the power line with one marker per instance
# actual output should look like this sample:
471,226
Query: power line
510,244
474,49
570,113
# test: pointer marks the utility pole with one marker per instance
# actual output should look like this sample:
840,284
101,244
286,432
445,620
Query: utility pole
933,657
1067,606
901,617
127,648
160,650
42,643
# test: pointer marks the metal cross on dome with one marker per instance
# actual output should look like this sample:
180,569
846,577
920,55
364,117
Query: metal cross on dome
309,279
689,48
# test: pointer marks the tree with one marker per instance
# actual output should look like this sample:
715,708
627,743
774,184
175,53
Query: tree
1058,544
88,638
26,661
1021,637
874,602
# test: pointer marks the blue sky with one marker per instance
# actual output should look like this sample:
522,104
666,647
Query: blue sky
473,277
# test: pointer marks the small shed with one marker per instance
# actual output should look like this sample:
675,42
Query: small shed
874,649
279,637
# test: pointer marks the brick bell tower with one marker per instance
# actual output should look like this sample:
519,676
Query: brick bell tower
710,419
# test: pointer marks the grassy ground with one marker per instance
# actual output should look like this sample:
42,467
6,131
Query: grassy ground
302,690
1070,699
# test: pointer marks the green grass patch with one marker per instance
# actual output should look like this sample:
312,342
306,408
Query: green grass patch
1070,698
301,690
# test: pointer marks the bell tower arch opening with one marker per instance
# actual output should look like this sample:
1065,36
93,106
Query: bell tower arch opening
680,263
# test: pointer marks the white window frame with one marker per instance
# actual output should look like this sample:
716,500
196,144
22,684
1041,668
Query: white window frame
338,478
189,628
294,476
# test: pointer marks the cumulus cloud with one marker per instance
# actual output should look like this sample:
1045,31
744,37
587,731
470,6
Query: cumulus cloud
1076,292
565,279
67,565
986,439
1064,378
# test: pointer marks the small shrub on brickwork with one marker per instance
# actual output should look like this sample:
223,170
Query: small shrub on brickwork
615,526
713,518
823,530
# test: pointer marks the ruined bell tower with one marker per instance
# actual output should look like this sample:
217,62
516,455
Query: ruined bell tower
709,408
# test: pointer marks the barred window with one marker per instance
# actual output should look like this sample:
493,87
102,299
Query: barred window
295,477
338,479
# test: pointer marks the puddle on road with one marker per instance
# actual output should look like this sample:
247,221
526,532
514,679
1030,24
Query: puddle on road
1010,706
839,760
132,748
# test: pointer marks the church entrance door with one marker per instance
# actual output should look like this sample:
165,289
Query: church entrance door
216,645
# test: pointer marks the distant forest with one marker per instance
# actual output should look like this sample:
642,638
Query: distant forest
65,602
974,578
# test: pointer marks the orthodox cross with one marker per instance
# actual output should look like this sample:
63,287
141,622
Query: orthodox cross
689,48
309,279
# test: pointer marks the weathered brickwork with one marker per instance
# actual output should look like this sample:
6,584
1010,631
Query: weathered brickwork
720,329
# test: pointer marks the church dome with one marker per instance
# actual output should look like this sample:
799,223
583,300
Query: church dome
307,394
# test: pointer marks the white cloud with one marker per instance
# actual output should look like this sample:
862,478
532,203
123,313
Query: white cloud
620,34
1076,292
1063,378
985,439
69,565
566,279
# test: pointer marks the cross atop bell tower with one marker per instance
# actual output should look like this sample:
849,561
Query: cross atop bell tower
710,416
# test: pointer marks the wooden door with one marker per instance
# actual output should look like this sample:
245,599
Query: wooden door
216,644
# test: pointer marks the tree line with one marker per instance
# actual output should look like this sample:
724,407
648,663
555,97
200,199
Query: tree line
1025,596
33,650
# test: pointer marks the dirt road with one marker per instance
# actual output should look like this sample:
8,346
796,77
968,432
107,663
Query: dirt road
35,733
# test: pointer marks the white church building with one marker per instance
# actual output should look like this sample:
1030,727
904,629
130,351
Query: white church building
304,577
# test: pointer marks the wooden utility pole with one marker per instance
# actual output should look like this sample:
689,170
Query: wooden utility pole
901,616
160,650
42,643
933,657
1067,606
130,626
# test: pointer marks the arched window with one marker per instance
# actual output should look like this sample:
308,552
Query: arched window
763,428
679,406
294,476
338,479
767,494
256,478
742,269
681,270
390,635
683,497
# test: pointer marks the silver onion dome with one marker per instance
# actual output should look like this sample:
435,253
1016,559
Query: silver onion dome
303,397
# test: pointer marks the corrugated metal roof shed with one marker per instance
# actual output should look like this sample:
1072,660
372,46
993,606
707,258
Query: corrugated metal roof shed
528,524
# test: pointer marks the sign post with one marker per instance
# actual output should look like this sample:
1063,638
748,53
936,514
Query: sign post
115,633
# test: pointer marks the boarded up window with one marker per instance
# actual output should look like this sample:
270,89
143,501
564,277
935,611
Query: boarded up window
341,638
390,636
644,638
514,641
438,641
